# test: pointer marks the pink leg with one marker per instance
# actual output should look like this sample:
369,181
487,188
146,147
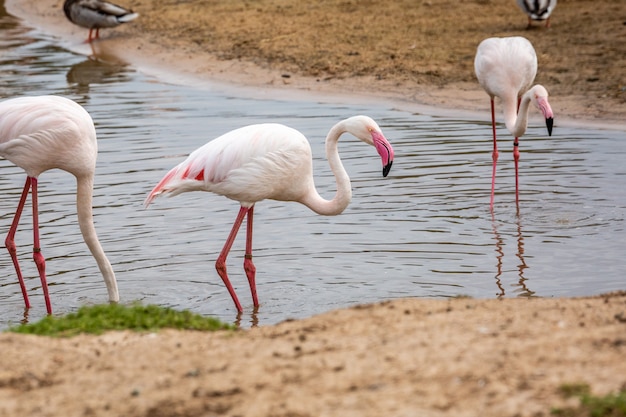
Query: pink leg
494,155
93,34
40,261
516,159
10,240
248,266
220,264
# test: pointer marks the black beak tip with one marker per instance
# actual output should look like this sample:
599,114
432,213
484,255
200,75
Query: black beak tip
549,123
387,168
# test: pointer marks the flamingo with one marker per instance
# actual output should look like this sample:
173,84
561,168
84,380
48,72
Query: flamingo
537,10
42,133
267,161
506,68
96,14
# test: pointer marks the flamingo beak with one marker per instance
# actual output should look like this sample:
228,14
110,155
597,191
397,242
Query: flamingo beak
385,150
545,108
549,123
387,168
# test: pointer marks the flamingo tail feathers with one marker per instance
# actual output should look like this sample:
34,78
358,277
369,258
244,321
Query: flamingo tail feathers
160,188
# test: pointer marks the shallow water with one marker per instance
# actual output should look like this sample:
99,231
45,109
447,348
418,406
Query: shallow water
424,231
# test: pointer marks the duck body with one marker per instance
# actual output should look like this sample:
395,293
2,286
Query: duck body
538,10
96,14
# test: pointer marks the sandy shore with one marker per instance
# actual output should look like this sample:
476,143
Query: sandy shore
457,357
180,60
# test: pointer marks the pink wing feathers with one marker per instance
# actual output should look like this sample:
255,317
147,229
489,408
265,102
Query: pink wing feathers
247,164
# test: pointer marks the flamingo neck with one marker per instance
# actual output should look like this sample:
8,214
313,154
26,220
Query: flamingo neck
84,197
344,189
516,120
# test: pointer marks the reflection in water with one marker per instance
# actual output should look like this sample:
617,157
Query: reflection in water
101,67
522,290
499,257
253,322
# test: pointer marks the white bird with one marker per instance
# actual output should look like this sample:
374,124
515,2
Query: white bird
268,161
537,10
96,14
506,68
42,133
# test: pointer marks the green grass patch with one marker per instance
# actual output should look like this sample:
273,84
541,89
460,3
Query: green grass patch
100,318
611,405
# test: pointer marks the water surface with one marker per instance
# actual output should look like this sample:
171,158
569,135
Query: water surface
424,231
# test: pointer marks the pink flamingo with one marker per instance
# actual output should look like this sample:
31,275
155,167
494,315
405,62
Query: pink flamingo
96,14
42,133
268,161
506,68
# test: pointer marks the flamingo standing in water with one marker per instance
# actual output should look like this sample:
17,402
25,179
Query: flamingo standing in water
42,133
506,68
96,14
268,161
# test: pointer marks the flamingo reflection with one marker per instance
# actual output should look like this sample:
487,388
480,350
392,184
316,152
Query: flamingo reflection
520,288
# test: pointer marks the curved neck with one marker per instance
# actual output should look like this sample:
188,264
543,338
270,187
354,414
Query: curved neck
84,195
516,120
344,189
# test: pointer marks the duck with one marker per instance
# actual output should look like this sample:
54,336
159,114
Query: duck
96,14
537,10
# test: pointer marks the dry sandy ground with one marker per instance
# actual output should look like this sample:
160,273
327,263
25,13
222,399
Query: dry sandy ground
458,357
413,357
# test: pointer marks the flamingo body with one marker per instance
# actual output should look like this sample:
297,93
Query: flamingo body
538,10
268,161
96,14
506,68
276,156
47,132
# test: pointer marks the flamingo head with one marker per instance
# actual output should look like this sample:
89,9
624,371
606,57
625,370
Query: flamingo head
368,131
539,98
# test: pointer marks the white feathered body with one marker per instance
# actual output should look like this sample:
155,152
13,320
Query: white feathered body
46,132
506,66
249,164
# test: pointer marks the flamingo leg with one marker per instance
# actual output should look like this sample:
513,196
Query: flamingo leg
40,261
220,264
494,155
248,265
10,240
516,159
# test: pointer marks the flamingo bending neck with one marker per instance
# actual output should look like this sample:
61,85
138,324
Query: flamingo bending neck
516,121
84,210
343,194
